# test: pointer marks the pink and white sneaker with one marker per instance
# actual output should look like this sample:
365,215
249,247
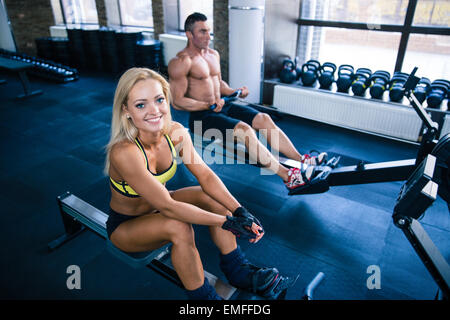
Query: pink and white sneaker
299,177
311,160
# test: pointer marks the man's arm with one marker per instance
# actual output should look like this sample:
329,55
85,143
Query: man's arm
178,71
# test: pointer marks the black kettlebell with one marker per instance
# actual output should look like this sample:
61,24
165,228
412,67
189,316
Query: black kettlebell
422,89
379,81
288,73
438,91
396,90
345,78
361,82
310,72
326,77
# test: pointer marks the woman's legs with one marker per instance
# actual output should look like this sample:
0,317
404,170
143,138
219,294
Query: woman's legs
151,231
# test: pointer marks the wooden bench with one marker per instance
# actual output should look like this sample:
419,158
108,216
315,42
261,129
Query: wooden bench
77,215
20,67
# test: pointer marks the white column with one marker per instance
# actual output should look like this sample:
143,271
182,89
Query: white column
246,45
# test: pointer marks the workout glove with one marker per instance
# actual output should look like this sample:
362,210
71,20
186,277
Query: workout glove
242,212
241,227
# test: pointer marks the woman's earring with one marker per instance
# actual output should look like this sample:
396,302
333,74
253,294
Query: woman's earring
128,116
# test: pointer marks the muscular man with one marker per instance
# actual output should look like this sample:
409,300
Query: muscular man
196,85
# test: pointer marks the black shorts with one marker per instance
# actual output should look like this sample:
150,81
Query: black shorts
114,220
227,118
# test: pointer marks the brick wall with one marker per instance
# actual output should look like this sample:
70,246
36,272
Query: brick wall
158,17
30,19
221,34
101,12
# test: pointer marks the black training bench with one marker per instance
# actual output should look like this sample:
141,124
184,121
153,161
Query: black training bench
20,67
78,215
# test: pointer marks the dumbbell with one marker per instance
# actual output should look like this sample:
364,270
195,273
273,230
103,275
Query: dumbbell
326,77
396,90
345,78
288,73
361,82
379,81
438,90
422,89
310,72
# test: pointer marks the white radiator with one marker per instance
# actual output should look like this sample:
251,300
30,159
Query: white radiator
350,112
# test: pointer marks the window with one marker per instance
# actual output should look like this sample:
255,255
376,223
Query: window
432,13
129,13
187,7
360,48
365,11
136,13
57,12
77,11
391,35
430,53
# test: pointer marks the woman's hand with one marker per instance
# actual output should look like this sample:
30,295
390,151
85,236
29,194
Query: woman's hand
244,225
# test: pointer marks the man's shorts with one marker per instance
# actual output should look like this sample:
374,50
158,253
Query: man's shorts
227,118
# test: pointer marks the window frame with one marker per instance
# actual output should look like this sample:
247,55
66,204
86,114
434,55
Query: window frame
405,29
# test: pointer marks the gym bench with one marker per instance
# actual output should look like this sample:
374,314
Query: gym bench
20,67
77,215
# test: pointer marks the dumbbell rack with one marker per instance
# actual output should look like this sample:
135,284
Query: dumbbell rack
43,68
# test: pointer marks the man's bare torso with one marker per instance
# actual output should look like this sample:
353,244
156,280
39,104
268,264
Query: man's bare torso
204,75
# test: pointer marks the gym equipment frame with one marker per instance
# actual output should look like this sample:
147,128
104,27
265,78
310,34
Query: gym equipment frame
415,196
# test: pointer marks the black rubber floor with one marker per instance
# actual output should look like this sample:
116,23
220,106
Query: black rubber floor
54,142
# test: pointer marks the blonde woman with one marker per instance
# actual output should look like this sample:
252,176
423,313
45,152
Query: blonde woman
145,215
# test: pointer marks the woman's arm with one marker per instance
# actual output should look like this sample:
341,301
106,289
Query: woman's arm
215,188
209,181
129,163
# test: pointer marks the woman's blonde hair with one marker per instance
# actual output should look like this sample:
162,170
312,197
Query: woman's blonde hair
123,128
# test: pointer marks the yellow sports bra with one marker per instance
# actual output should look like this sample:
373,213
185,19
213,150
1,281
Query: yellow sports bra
125,189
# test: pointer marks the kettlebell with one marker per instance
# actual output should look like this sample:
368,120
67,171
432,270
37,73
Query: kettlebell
310,72
288,73
345,78
361,82
422,89
379,81
438,91
396,90
326,77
